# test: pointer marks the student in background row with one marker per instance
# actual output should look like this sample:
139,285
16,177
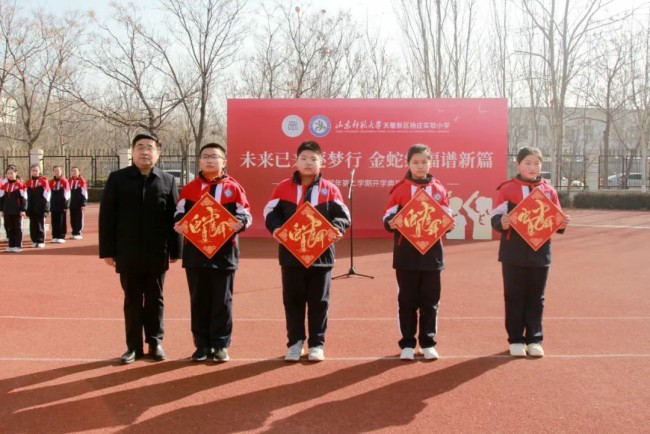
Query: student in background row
60,198
78,200
13,204
38,205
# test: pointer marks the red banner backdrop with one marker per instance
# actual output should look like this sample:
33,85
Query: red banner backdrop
467,137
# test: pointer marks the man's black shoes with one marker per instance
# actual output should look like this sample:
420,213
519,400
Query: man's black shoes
157,352
130,356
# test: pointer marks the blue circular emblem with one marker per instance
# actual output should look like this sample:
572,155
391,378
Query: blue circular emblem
227,192
324,191
437,197
320,126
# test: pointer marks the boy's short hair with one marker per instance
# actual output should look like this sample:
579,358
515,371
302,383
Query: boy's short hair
11,167
529,150
309,145
56,167
75,167
35,165
418,148
213,146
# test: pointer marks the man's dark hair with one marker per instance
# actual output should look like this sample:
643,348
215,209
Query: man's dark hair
146,135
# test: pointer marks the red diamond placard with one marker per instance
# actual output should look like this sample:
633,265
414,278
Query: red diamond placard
536,218
307,234
208,225
422,221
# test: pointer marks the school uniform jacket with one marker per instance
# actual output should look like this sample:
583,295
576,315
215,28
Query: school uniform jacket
78,192
136,221
232,196
513,249
59,194
323,195
38,196
13,197
405,255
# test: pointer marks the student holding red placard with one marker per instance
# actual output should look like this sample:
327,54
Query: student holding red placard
211,278
524,269
418,275
306,286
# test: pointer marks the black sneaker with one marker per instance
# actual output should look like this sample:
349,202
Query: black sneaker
221,355
200,354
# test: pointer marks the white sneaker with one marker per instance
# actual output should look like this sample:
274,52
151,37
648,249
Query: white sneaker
40,245
535,350
518,350
295,352
430,353
34,245
55,240
10,249
77,237
407,354
61,241
316,354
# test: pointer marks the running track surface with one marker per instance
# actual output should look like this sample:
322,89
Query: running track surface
61,332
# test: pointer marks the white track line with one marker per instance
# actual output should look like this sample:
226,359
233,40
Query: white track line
442,318
608,226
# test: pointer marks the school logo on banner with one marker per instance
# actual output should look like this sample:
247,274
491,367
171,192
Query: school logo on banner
422,221
320,126
307,234
293,126
536,218
208,225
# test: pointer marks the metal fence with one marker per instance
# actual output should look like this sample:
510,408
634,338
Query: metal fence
94,168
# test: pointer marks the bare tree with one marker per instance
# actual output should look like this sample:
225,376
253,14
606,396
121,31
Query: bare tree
40,50
381,75
439,36
304,53
207,36
128,90
561,35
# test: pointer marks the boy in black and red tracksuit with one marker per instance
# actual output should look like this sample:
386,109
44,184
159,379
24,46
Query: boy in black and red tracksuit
38,205
211,280
13,204
78,200
418,275
524,270
306,287
59,200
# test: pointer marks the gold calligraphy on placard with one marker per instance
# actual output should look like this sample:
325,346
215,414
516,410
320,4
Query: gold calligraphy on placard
208,225
422,221
536,218
307,234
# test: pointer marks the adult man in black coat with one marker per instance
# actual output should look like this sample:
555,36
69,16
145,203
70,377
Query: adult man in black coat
137,237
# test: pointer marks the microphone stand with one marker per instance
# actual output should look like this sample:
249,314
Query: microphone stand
351,272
